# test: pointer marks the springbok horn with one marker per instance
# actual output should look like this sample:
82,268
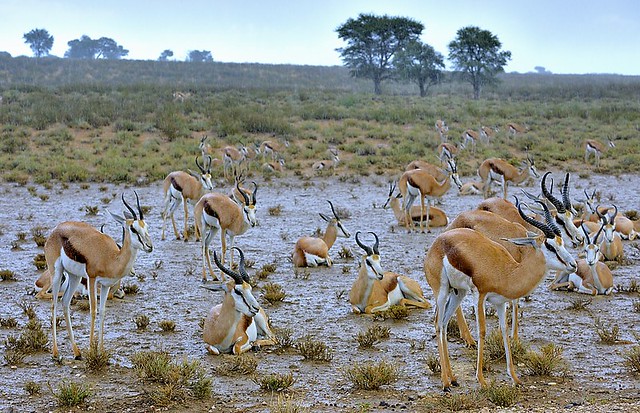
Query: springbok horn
366,249
595,239
244,196
129,207
253,194
614,213
199,166
375,246
565,193
555,201
236,277
549,218
546,230
333,210
241,266
138,204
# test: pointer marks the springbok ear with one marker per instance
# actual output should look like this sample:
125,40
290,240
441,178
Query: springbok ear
323,216
215,287
127,214
118,218
531,234
523,242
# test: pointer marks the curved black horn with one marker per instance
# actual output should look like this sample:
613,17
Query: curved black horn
366,249
586,194
138,204
129,207
375,246
586,234
209,160
241,266
548,232
236,277
555,201
253,194
551,222
604,218
333,210
391,188
200,166
244,195
595,239
613,217
565,193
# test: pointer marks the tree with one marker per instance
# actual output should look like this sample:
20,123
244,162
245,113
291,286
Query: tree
476,54
40,42
87,48
372,43
419,62
199,56
165,55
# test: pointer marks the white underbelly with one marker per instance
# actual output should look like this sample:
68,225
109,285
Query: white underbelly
72,267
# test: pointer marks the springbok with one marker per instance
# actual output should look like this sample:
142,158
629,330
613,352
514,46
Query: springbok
471,188
272,147
463,260
442,129
376,290
611,245
592,276
565,212
486,133
274,167
312,251
506,210
232,158
596,148
184,187
419,183
516,129
501,171
238,323
217,212
327,164
470,137
81,251
437,217
447,150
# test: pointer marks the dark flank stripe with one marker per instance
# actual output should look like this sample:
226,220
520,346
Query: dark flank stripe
71,252
209,210
175,184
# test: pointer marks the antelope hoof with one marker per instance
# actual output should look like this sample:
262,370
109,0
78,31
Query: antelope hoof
446,389
455,383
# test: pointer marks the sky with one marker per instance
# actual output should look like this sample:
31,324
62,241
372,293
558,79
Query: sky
563,36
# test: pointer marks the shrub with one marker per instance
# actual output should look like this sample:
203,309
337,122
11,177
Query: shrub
545,363
274,293
632,359
96,359
275,382
241,364
370,376
373,335
501,395
312,349
71,394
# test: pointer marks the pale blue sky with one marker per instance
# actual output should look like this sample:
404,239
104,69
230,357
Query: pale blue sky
564,36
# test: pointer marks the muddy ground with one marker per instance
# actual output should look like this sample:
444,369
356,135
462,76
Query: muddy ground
316,305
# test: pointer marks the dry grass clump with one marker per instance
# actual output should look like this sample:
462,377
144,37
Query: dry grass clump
275,211
547,362
275,382
502,395
284,337
177,382
579,304
39,235
395,312
312,349
608,335
266,270
433,363
131,288
14,357
9,322
494,347
167,326
632,359
28,308
142,321
371,376
286,405
91,210
636,306
374,334
455,402
32,388
274,293
96,359
241,364
83,305
345,253
71,394
7,275
40,262
32,339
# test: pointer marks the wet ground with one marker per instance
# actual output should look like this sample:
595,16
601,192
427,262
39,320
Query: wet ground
315,304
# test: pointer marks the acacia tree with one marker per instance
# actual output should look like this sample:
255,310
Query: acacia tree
420,63
40,42
88,48
199,56
476,54
372,43
165,55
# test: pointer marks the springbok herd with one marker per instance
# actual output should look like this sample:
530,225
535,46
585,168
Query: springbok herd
499,252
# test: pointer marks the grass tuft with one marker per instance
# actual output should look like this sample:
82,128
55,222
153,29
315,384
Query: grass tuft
96,359
632,359
547,362
241,364
71,394
275,382
371,376
142,321
502,395
274,293
374,334
312,349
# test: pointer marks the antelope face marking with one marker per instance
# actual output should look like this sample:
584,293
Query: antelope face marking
557,256
342,230
205,180
250,213
374,269
592,252
245,302
140,238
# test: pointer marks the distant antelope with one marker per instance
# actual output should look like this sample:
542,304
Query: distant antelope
437,217
180,96
376,290
487,133
183,187
312,251
501,171
272,148
327,164
470,137
515,129
596,148
442,129
446,151
238,323
275,167
232,158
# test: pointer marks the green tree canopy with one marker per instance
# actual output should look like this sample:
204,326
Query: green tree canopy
40,42
420,63
476,54
199,56
372,41
165,55
88,48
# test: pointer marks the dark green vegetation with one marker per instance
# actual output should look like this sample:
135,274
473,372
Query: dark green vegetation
117,121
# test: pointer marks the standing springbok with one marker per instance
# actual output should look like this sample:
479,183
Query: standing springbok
592,276
419,183
184,187
81,251
447,150
238,323
217,212
437,217
273,148
463,260
501,171
376,290
596,148
232,158
442,129
470,137
312,251
486,133
276,167
516,129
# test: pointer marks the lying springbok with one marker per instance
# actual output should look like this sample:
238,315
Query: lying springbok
238,323
376,290
218,212
501,171
81,251
437,217
184,187
327,164
611,245
592,276
312,251
463,260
